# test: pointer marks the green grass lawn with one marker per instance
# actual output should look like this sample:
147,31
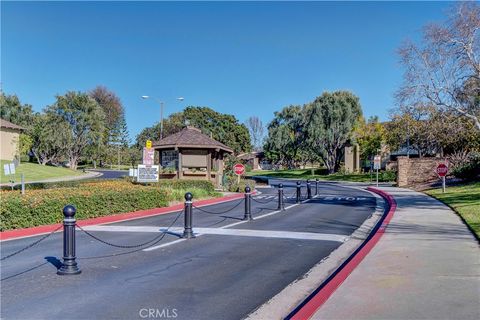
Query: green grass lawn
307,174
35,172
465,199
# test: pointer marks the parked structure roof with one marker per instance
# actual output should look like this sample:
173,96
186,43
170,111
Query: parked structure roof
190,137
7,124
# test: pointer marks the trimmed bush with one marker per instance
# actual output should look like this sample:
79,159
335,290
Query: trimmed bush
234,186
387,176
185,184
92,199
469,170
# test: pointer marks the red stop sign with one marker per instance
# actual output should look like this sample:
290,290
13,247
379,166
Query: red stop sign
239,169
442,170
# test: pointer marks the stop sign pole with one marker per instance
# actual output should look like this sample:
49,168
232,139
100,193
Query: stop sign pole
442,171
239,169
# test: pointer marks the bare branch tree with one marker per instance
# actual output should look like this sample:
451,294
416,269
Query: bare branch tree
255,126
444,70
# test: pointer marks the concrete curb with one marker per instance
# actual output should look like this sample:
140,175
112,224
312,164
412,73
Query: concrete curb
35,231
295,293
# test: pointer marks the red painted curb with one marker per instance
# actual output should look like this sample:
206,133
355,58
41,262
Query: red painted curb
34,231
309,309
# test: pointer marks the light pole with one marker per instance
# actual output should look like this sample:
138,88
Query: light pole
161,111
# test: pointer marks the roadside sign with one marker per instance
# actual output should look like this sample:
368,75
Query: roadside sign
148,144
147,173
239,169
442,170
148,156
377,162
6,169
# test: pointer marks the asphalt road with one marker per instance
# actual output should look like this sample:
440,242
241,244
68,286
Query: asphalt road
111,174
230,268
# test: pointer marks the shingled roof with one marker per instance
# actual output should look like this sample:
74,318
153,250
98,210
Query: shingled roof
7,124
190,137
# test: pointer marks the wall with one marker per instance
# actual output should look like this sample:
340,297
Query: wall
352,158
417,171
8,143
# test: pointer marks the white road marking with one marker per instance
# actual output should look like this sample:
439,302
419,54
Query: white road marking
229,232
179,230
224,227
164,245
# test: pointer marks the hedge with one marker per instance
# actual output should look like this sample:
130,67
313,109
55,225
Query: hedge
93,199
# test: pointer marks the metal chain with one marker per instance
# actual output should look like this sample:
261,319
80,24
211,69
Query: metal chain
293,196
221,212
136,250
32,244
127,246
263,202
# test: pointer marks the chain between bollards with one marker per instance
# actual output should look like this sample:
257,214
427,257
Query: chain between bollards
188,232
309,190
281,204
69,265
248,204
299,192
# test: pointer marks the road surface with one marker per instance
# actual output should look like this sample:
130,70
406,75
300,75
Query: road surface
111,174
230,269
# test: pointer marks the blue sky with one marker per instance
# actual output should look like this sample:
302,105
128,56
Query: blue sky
243,58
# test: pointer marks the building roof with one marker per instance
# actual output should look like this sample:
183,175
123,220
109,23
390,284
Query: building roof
190,137
251,155
7,124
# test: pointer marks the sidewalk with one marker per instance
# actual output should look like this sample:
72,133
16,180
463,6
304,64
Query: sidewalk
426,266
86,175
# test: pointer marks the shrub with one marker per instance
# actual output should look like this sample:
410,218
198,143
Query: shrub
186,184
92,199
321,171
234,186
468,170
387,176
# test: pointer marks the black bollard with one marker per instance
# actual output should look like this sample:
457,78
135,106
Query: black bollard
69,265
281,205
188,232
248,205
299,192
316,186
309,190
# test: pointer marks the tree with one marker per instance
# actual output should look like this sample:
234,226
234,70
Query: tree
224,128
115,137
444,70
112,108
25,144
328,124
255,127
285,140
50,139
369,135
430,131
11,109
85,121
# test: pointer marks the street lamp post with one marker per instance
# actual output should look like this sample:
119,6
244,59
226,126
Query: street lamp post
161,111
